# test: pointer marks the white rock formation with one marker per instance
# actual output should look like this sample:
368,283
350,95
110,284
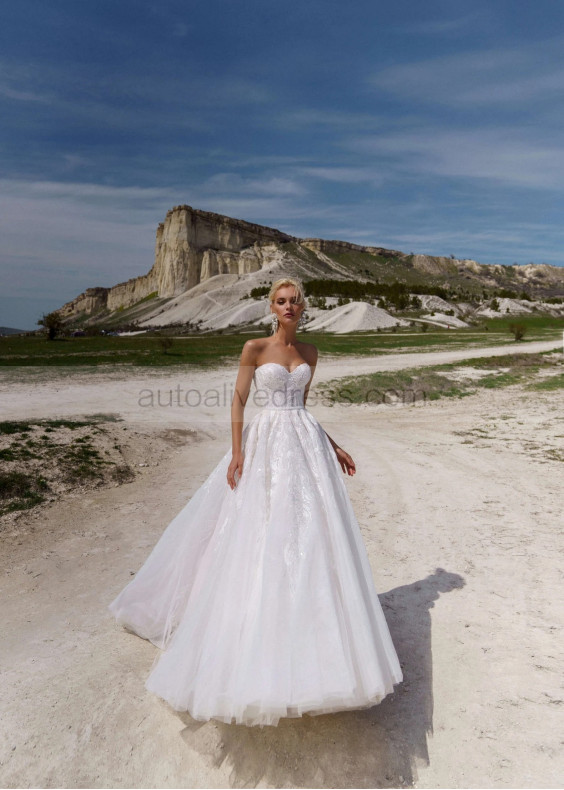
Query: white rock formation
511,306
206,264
353,317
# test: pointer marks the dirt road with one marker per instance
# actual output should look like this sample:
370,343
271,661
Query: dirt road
460,507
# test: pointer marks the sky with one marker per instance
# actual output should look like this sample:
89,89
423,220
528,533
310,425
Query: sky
432,127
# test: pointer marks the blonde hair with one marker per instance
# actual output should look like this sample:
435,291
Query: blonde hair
300,296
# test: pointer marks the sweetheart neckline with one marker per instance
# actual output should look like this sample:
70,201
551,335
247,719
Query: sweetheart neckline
282,366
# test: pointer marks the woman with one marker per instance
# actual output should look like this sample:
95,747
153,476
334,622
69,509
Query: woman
260,590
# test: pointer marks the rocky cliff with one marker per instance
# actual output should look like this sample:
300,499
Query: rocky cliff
192,246
334,247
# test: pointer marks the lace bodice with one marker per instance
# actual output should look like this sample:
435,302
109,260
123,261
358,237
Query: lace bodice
278,388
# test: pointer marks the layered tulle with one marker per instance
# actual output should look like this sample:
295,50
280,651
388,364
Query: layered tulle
262,597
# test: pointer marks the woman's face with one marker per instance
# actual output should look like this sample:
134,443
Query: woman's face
285,307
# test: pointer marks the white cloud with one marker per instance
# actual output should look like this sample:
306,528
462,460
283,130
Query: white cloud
328,119
58,239
344,175
440,26
20,95
262,160
83,192
221,183
498,155
507,77
130,99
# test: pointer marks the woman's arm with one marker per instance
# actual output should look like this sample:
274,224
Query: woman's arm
312,362
347,463
334,444
242,389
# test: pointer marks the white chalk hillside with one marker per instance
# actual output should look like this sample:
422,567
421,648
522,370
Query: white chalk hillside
214,304
353,317
433,303
223,301
442,319
513,306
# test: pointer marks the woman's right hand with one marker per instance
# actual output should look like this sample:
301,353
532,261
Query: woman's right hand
236,465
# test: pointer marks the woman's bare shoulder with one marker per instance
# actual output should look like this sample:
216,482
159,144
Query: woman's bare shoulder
251,350
309,353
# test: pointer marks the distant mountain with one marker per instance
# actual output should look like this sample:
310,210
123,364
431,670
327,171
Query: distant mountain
9,330
206,265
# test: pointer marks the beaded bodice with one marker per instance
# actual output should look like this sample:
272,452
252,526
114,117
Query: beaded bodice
278,388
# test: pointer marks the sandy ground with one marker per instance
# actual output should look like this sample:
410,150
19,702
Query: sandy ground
460,506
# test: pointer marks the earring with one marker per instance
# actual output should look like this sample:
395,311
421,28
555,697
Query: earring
274,323
302,321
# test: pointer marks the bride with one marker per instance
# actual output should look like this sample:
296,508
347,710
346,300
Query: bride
260,591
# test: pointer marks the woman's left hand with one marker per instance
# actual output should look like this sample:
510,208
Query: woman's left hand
347,463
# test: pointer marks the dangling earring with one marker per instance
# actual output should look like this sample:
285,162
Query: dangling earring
274,323
302,321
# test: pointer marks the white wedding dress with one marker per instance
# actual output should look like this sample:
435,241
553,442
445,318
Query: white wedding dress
262,597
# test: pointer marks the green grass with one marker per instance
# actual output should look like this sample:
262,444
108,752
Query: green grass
388,269
215,349
416,385
19,491
552,383
147,298
407,386
24,426
139,350
534,322
70,461
80,461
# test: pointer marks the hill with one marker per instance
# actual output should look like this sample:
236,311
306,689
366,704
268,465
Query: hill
208,268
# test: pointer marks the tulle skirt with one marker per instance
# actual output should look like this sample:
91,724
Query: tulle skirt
262,597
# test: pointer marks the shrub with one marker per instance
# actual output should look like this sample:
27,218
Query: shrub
517,330
52,322
258,293
165,343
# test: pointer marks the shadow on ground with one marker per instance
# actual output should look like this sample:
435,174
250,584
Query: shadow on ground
377,747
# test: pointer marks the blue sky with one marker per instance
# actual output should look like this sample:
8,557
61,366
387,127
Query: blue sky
429,127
